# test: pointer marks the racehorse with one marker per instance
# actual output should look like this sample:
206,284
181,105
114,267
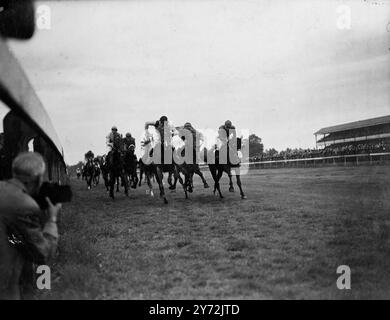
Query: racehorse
157,169
188,169
96,176
191,170
89,172
130,166
83,172
104,171
115,167
217,169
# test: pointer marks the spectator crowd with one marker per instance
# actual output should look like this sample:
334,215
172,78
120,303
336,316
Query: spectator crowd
329,151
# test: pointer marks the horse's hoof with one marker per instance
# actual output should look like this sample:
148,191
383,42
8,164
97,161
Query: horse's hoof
231,189
243,197
206,186
172,188
165,201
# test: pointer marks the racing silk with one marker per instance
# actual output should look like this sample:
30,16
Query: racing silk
129,141
176,141
111,139
197,136
149,140
228,138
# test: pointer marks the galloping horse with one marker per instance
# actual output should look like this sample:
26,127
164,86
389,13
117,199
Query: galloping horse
89,172
218,169
158,169
96,176
104,170
115,167
189,169
130,166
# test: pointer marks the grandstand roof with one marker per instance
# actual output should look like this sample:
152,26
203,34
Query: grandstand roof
355,125
17,92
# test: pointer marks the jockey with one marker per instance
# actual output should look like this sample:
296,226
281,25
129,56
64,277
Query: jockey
160,124
227,136
111,137
89,156
198,137
230,130
129,141
150,138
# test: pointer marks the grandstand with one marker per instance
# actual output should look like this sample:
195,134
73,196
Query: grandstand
365,136
25,124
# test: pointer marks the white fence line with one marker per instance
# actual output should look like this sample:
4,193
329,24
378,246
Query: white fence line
326,160
318,160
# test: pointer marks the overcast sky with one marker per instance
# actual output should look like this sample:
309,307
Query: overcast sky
281,69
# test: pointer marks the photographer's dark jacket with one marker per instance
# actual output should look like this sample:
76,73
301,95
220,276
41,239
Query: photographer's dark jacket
23,238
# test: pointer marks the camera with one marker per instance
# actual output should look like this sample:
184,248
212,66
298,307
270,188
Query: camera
55,192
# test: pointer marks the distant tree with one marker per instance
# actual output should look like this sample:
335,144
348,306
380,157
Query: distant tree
271,152
256,147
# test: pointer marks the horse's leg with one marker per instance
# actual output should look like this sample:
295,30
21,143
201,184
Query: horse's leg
111,178
159,178
200,174
243,196
214,173
172,186
141,172
218,178
184,185
88,183
125,183
147,177
170,179
229,172
189,177
117,184
136,178
106,181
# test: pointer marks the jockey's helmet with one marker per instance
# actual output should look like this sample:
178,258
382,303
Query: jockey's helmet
228,124
187,124
114,128
128,135
163,119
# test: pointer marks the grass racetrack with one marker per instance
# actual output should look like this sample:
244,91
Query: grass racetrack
284,242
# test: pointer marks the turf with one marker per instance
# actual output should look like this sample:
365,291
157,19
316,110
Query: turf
284,242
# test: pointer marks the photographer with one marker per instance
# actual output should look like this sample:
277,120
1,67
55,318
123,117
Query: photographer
27,236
